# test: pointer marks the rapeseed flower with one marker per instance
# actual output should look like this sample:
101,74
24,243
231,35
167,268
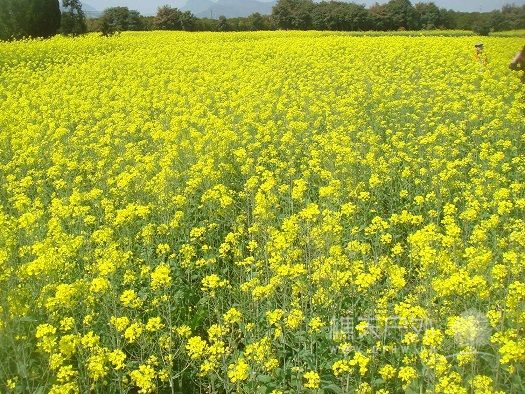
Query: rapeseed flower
238,371
312,380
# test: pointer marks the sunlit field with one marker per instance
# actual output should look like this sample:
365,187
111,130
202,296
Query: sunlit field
425,33
509,33
282,212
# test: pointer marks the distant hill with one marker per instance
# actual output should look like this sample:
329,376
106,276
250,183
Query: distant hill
90,11
228,8
198,6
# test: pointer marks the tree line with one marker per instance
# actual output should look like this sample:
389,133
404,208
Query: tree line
324,15
44,18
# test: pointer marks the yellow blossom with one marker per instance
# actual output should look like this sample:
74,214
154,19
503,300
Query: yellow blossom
117,358
144,378
238,371
196,347
312,380
161,276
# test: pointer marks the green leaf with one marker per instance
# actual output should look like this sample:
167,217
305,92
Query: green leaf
264,378
333,388
262,389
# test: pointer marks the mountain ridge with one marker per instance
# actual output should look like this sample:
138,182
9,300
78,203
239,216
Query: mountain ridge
206,8
227,8
89,10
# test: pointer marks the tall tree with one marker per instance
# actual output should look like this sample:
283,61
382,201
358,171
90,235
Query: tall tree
256,22
447,19
29,18
293,14
401,14
45,18
188,21
380,17
4,17
8,22
223,24
514,16
428,15
73,18
338,15
169,18
498,22
117,19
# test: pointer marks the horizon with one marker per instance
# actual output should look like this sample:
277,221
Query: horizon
150,7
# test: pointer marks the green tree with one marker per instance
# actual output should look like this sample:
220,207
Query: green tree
447,19
73,18
337,15
106,27
206,24
428,16
467,20
4,21
168,18
498,22
481,27
188,21
223,24
256,22
44,18
14,18
293,14
401,15
514,16
117,19
379,17
29,18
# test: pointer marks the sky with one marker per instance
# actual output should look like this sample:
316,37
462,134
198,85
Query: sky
149,6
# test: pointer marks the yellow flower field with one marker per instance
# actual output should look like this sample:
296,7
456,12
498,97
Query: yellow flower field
274,212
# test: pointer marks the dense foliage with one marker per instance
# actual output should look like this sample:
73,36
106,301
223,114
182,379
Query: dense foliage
25,18
393,15
169,18
281,212
116,19
73,18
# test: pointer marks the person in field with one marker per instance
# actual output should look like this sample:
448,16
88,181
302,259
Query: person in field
480,55
518,63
